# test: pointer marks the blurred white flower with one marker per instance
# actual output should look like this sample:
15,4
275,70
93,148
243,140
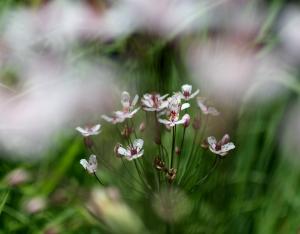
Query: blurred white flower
186,92
207,110
187,120
221,147
133,151
17,177
113,119
89,131
154,102
35,205
91,165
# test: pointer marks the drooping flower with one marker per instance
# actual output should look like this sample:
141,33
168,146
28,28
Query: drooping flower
89,131
133,151
154,102
91,165
186,92
207,110
173,112
221,147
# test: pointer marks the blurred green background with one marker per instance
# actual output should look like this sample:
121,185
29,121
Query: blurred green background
254,190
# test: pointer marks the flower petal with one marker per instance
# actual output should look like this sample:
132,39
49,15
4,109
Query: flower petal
212,141
84,163
123,151
82,130
96,128
135,100
227,147
185,106
138,143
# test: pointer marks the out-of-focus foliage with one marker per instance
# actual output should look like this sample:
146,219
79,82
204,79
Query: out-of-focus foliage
244,55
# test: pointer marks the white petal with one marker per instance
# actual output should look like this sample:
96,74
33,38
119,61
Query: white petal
164,121
134,111
194,94
96,128
84,163
185,105
186,88
211,141
227,147
164,96
138,154
123,151
93,159
138,143
82,130
135,100
108,119
182,121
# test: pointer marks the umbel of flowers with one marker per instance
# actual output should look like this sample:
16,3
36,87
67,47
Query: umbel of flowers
175,160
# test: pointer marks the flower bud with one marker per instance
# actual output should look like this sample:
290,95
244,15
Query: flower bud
126,132
116,150
159,164
142,126
177,150
17,177
171,175
187,120
88,142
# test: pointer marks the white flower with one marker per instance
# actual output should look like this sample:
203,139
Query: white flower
205,109
221,147
154,102
134,151
114,119
91,165
127,104
173,111
186,92
89,131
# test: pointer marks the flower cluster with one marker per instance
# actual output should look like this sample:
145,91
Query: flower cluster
171,112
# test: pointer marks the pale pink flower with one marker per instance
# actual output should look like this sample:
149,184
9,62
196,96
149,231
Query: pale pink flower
133,151
186,92
207,110
173,111
89,131
114,119
154,102
221,147
91,165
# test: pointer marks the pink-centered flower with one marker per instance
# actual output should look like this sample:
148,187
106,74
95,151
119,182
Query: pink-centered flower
186,92
89,131
127,111
207,110
221,147
133,151
173,111
154,102
91,165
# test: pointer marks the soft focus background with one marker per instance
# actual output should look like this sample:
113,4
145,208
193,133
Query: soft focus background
64,63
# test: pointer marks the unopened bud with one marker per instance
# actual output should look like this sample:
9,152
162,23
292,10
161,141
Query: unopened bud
171,174
17,177
35,205
142,126
187,120
159,164
177,150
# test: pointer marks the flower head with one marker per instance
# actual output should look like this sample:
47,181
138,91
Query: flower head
154,102
91,165
207,110
221,147
133,151
173,112
186,92
89,131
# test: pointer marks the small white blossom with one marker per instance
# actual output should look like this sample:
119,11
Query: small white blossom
221,147
89,131
132,152
154,102
205,109
186,92
173,111
91,165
